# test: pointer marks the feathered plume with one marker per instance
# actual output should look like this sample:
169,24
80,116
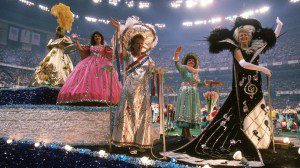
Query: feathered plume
64,16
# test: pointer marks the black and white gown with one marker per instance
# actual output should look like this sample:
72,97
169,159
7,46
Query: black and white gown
240,125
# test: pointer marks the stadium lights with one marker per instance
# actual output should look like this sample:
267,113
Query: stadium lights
159,25
129,4
103,21
44,8
231,18
97,1
176,4
75,16
28,3
144,4
215,20
249,13
205,3
187,24
246,14
200,22
190,3
90,19
114,2
294,1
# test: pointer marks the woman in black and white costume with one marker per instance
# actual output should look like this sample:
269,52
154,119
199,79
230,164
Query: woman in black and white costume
242,124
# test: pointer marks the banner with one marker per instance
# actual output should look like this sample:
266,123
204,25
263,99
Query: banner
26,46
25,36
13,33
3,33
35,38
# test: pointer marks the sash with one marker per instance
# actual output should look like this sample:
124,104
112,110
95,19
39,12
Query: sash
137,64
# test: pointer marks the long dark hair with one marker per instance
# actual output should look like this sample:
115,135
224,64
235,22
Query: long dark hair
134,39
93,42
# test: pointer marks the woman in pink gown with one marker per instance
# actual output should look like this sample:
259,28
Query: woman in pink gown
89,83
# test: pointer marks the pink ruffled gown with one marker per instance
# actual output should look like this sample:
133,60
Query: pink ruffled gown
89,83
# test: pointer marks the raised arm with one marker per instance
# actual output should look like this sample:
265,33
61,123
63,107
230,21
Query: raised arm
239,57
116,24
78,45
176,59
278,27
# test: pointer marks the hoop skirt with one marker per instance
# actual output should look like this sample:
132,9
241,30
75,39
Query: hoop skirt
55,67
89,83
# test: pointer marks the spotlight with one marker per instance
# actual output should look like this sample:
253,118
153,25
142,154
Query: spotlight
44,8
102,153
114,2
173,160
187,24
294,1
37,144
215,20
286,140
9,141
68,148
145,161
28,3
176,4
205,3
160,25
200,22
143,5
264,9
130,4
97,1
75,16
90,19
190,3
238,156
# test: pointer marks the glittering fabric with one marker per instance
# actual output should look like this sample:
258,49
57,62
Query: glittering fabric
188,109
32,95
55,67
89,82
26,155
240,125
23,154
57,124
133,119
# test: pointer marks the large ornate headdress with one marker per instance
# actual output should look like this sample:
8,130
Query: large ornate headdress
223,39
64,16
134,26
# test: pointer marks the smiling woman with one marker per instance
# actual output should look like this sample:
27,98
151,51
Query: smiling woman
188,110
241,124
89,83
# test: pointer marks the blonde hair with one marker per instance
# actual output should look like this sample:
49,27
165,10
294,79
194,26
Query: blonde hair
243,29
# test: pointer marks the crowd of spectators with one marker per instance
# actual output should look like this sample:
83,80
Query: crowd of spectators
284,79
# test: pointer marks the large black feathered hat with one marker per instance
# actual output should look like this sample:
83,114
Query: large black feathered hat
223,39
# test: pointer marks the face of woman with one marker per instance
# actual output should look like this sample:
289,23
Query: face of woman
97,38
138,45
191,63
244,37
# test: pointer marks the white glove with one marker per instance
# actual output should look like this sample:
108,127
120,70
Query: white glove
278,21
250,66
278,27
266,71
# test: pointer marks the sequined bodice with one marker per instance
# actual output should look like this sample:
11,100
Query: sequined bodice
97,50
